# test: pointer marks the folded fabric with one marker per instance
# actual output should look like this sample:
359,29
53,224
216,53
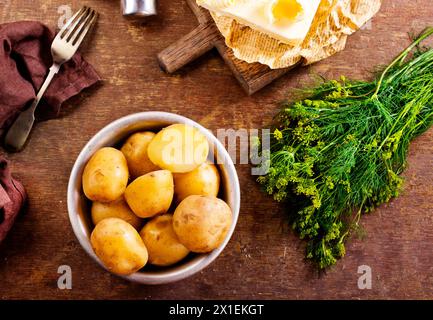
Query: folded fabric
12,198
25,57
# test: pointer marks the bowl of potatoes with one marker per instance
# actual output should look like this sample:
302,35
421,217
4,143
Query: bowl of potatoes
153,197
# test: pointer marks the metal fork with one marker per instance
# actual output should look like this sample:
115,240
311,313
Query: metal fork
64,46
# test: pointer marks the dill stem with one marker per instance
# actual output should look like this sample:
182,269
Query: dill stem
396,122
428,32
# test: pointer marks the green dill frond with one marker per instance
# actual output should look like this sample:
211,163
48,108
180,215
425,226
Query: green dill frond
341,149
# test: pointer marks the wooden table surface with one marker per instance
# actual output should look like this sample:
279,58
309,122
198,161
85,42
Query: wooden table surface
264,259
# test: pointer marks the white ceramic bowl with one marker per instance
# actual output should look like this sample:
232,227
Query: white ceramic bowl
112,135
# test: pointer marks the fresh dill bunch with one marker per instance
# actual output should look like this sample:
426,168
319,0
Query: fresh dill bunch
341,151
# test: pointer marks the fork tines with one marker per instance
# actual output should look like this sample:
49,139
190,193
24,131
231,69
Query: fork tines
77,27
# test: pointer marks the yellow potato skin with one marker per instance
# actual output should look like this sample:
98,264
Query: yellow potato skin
115,209
202,222
106,175
178,148
135,151
161,241
203,181
119,246
150,194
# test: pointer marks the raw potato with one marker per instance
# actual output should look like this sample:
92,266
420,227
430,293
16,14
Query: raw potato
178,148
119,246
204,181
135,151
115,209
161,241
105,176
202,222
150,194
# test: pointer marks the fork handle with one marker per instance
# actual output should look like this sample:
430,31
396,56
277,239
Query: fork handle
20,130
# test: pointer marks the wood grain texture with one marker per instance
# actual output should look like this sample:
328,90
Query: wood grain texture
188,48
251,76
264,259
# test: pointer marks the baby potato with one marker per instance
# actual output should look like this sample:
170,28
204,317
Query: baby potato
202,222
178,148
150,194
115,209
161,242
203,181
135,151
105,176
119,246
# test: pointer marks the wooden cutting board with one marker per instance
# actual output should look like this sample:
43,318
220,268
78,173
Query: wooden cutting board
251,76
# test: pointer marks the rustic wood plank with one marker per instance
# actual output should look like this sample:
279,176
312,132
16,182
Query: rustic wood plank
264,259
188,48
251,76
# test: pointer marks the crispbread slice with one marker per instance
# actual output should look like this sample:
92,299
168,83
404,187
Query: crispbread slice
334,21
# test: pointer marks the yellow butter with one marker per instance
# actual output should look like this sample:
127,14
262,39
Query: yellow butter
285,20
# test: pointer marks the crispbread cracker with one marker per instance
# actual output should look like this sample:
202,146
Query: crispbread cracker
334,21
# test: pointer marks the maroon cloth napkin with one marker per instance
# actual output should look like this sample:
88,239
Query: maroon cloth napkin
12,198
25,57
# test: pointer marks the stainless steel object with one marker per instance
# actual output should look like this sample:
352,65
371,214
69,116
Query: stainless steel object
64,46
111,135
139,8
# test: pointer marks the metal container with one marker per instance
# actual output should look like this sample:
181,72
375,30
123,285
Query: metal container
113,135
138,8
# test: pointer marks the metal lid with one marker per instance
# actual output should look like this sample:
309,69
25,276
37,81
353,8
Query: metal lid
141,8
